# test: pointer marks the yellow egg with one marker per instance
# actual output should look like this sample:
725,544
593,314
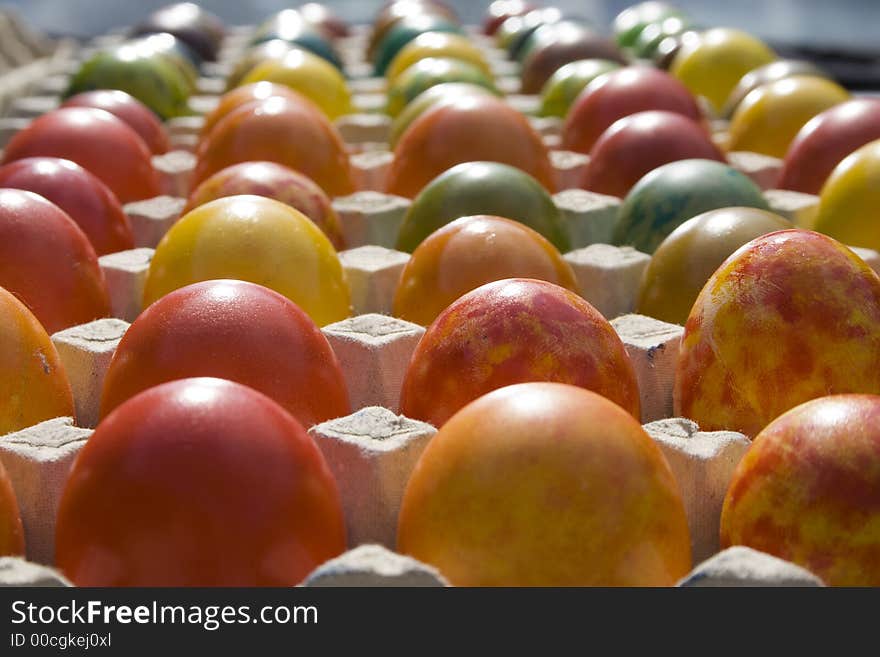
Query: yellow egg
311,76
256,239
850,199
436,44
712,64
769,117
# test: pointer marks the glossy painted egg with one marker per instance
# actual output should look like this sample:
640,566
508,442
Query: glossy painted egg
198,28
639,143
778,70
808,491
256,239
278,130
291,26
620,93
256,54
232,330
437,94
466,129
198,482
849,199
544,484
309,75
427,73
568,81
84,198
825,140
437,44
405,30
130,110
248,93
629,23
790,316
468,253
98,142
689,256
713,64
48,263
274,181
513,331
500,10
769,118
33,383
675,192
473,188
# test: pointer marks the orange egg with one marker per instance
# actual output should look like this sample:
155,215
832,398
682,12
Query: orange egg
33,384
232,100
467,129
469,252
278,130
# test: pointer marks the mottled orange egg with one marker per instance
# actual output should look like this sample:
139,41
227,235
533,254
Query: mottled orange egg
790,316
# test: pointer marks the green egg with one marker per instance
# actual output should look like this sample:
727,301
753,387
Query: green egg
568,81
428,72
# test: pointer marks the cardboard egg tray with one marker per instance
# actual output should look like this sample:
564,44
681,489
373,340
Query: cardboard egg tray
373,450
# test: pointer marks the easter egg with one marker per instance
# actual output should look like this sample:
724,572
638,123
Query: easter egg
469,252
825,140
849,198
673,193
272,181
404,31
439,93
247,93
639,143
769,117
713,64
198,482
790,316
808,490
513,331
568,81
47,262
648,42
193,24
400,11
138,71
256,54
437,44
620,93
291,26
309,75
230,330
691,253
278,130
428,72
33,383
545,484
558,44
500,10
322,17
256,239
84,198
473,188
777,70
466,129
98,142
130,110
629,23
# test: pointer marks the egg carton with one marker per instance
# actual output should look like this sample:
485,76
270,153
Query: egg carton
373,451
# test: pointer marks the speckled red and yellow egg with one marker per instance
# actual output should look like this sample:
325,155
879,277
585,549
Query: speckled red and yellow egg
790,316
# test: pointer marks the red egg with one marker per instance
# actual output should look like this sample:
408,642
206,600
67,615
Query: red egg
500,10
466,129
198,482
87,200
129,109
48,263
514,331
97,141
231,330
825,140
273,181
620,93
639,143
278,130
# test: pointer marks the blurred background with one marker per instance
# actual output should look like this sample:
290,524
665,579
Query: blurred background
849,25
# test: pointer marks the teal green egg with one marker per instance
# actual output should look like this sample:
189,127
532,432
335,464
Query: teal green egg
474,188
404,31
568,81
671,194
649,39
